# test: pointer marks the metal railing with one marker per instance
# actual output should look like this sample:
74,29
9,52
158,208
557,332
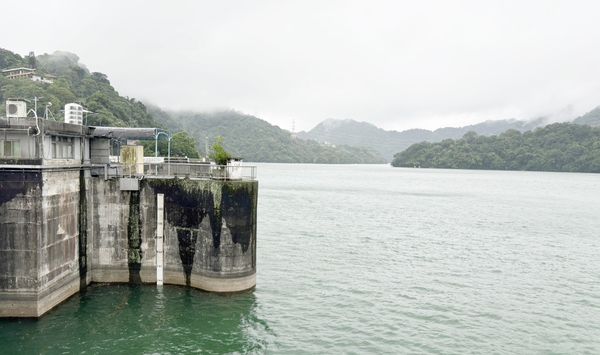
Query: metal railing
191,170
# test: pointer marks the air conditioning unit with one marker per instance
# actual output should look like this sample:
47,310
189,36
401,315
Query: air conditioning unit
16,109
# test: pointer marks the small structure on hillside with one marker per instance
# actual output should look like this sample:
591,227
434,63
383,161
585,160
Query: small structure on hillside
27,73
19,73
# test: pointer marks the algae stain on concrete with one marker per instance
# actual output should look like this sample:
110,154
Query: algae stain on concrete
226,204
82,226
186,239
240,202
188,201
134,238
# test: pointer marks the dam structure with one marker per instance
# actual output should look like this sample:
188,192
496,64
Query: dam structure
78,204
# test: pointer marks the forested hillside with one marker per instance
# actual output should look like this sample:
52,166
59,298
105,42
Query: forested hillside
74,83
591,118
256,140
246,136
556,147
388,143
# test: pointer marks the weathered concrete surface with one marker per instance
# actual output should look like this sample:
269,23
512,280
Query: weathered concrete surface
62,229
20,230
59,245
39,239
209,236
210,233
123,226
211,283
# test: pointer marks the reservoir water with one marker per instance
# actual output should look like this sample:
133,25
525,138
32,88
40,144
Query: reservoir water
373,259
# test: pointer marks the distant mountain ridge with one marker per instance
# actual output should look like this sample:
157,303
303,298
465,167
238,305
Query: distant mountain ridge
256,140
388,143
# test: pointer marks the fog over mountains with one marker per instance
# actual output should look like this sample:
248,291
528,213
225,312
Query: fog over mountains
387,143
247,136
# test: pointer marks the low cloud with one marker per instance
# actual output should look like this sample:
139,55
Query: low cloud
397,64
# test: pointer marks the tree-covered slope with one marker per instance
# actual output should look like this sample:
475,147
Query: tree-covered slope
256,140
556,147
74,83
591,118
387,143
245,136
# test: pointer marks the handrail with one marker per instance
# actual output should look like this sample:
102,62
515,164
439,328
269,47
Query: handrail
196,170
191,170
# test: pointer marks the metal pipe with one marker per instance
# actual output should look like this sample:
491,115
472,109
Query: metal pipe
156,142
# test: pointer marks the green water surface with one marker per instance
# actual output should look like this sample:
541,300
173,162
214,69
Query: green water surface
372,259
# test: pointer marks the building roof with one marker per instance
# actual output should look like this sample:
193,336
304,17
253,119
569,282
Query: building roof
125,133
15,69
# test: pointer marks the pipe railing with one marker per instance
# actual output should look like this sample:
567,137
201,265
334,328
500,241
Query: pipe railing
191,170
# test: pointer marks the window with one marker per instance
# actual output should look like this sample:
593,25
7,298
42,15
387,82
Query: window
10,149
62,147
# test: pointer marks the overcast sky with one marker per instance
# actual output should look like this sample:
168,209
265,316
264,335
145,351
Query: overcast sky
397,64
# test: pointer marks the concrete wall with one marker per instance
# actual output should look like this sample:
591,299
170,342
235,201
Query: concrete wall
61,229
123,225
20,230
209,233
58,270
39,239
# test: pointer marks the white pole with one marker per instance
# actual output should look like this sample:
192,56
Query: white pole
160,212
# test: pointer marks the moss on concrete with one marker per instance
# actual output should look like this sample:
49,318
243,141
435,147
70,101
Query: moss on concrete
134,238
82,227
193,199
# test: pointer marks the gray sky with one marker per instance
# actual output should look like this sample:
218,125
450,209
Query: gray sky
398,64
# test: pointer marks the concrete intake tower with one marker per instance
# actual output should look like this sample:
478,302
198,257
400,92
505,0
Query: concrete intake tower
77,206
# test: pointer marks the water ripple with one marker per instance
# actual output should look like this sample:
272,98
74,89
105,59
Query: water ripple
370,259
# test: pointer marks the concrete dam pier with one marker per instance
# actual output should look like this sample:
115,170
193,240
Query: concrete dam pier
209,233
70,215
